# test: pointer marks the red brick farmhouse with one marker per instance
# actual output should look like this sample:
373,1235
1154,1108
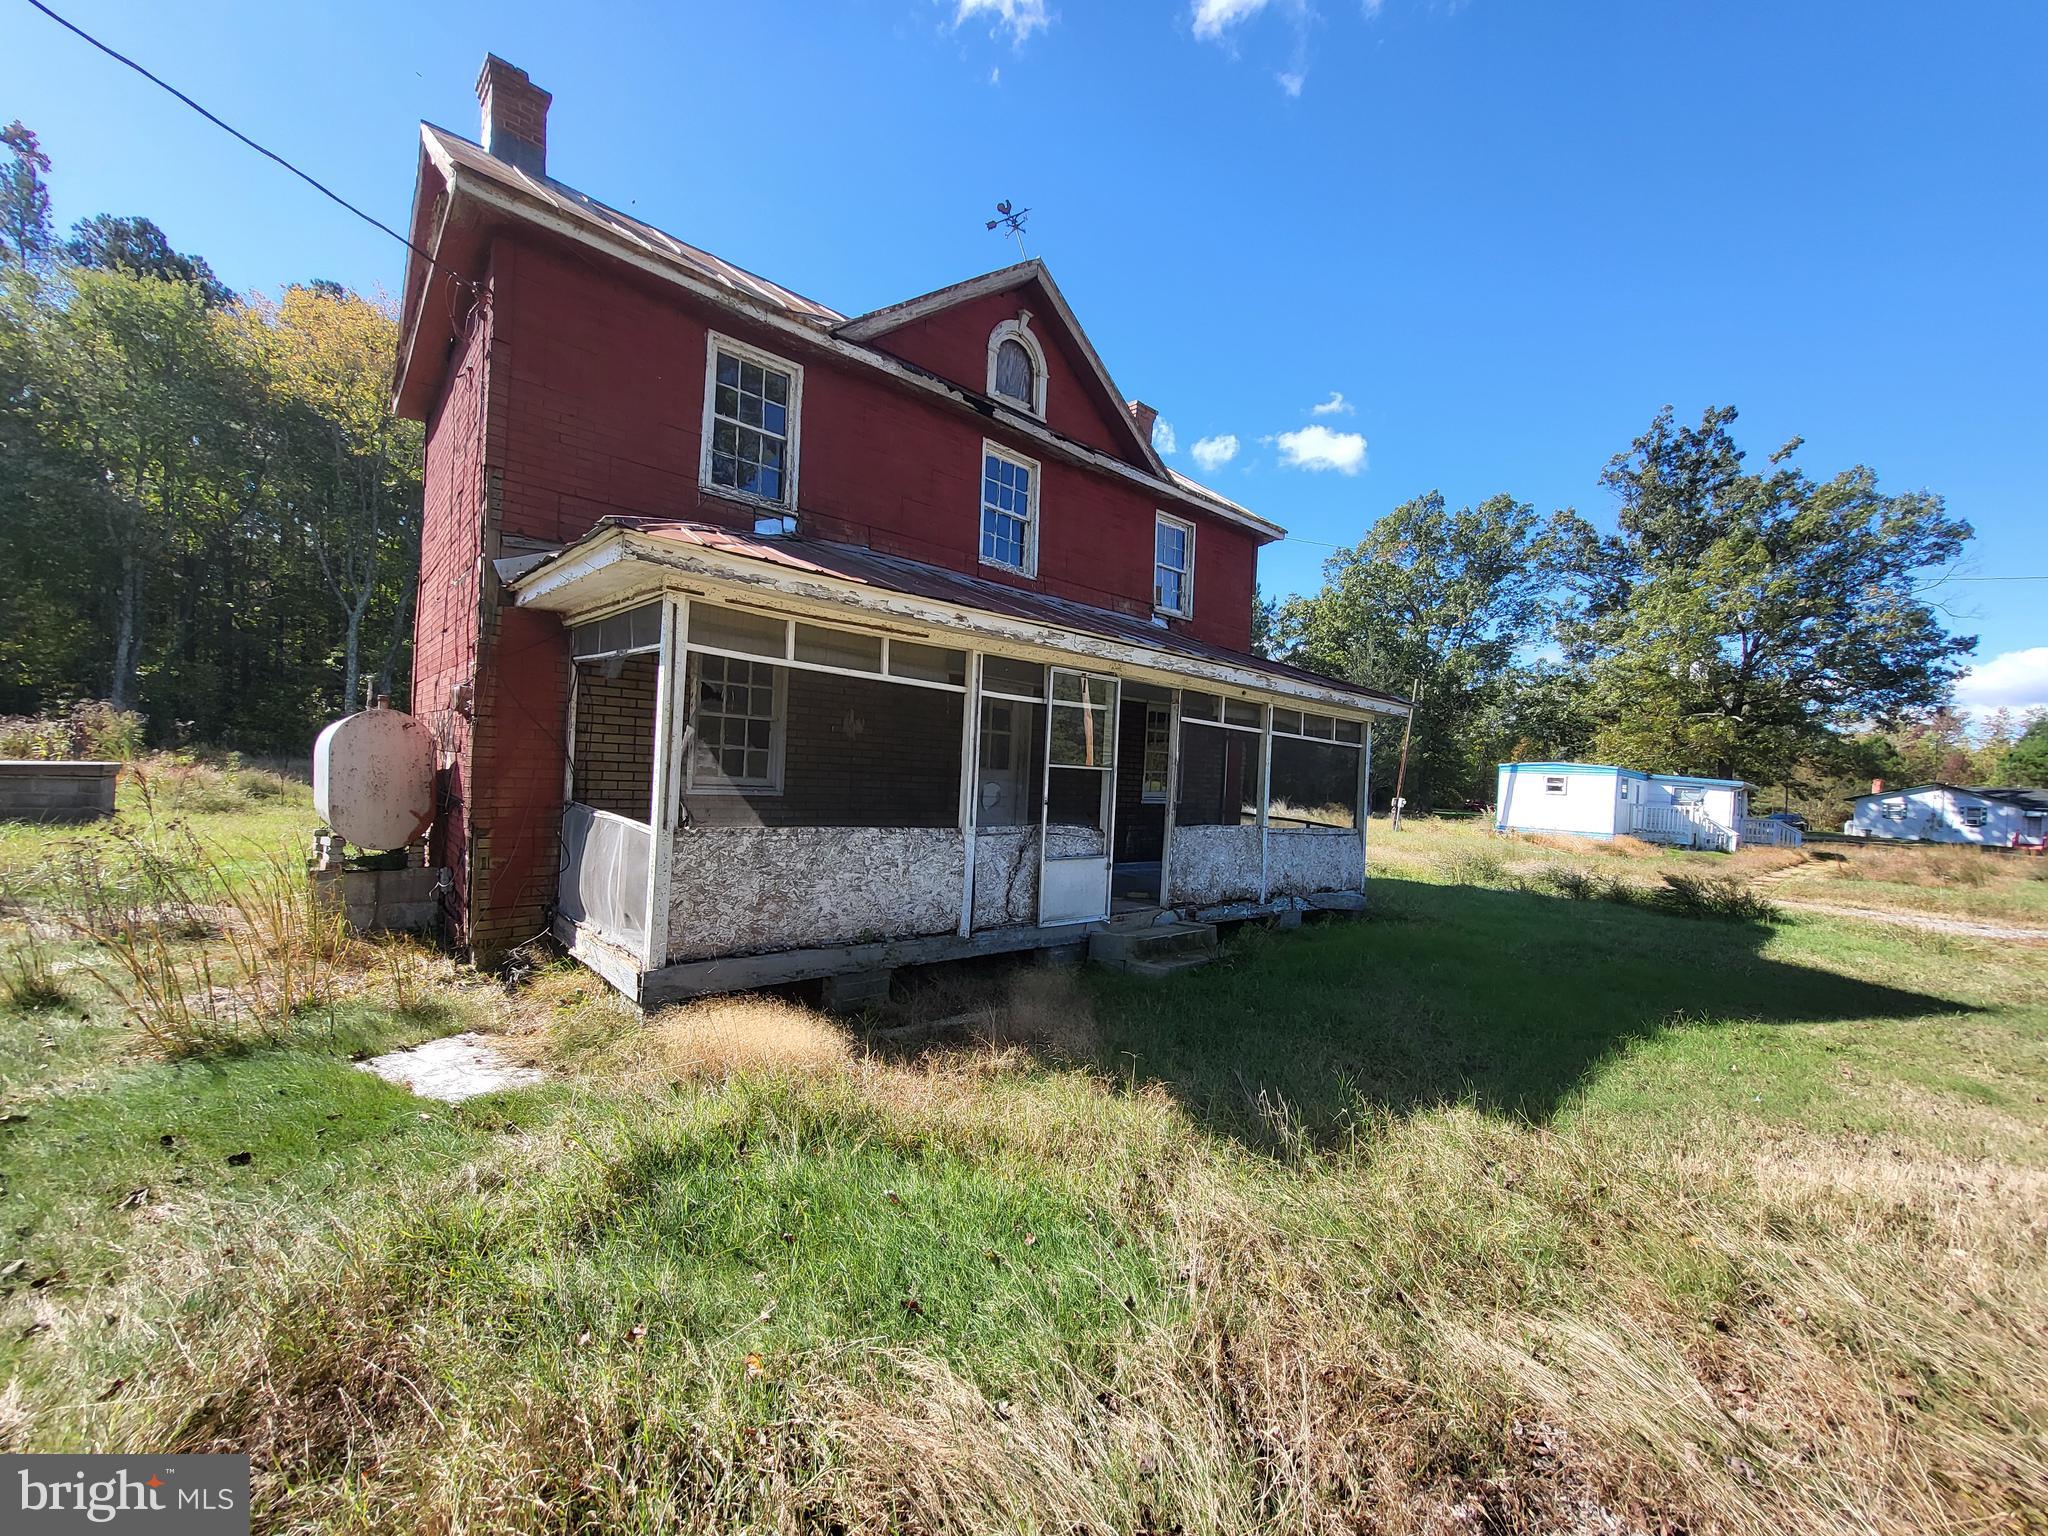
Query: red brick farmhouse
764,642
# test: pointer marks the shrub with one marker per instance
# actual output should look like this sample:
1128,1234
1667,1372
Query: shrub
1720,896
1577,884
88,728
1477,866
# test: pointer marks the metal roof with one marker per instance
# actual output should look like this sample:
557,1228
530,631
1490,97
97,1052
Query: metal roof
913,578
566,200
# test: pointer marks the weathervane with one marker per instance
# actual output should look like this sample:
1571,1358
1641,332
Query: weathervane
1011,222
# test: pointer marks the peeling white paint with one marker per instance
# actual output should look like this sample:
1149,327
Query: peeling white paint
1212,864
750,890
1005,876
1304,861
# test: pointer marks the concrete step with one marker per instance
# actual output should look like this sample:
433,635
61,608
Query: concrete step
1173,945
1170,966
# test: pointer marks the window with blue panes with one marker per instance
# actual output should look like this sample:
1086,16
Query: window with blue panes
750,427
1009,491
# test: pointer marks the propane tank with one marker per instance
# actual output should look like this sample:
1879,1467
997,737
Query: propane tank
373,777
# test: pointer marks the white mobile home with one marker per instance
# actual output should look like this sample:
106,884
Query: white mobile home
1951,813
1596,800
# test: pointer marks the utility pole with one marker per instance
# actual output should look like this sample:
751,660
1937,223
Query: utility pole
1401,770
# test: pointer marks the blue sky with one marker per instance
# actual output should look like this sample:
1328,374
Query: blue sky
1490,237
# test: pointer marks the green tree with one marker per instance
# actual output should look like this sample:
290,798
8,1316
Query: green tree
1736,620
105,243
1441,603
24,199
2026,760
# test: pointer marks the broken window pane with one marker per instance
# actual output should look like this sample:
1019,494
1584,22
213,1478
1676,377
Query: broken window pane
1016,378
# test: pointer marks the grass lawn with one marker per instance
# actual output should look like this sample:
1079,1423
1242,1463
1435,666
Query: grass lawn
1967,884
1494,1212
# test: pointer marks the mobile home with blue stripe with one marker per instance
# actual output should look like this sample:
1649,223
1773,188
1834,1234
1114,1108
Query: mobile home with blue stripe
1602,801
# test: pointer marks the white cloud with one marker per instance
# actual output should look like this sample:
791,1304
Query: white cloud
1290,82
1212,453
1213,18
2013,680
995,76
1162,436
1336,405
1020,18
1319,448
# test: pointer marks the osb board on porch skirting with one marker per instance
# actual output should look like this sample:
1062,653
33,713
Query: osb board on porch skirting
745,890
1212,864
1302,861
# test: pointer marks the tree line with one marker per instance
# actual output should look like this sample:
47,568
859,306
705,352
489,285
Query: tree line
208,513
1739,622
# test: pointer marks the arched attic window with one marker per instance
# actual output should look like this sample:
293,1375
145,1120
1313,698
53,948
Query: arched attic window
1016,365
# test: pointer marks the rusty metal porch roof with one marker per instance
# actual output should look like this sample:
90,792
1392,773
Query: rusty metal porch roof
912,578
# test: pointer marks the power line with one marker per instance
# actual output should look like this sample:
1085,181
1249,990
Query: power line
268,154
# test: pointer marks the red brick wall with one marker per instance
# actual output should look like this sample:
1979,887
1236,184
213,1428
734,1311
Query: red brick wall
489,681
577,393
953,343
615,736
604,397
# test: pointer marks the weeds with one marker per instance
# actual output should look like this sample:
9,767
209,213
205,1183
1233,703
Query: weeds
1718,896
28,980
1580,884
279,952
1475,866
88,729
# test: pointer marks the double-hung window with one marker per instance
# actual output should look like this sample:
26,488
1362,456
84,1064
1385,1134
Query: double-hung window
1009,510
751,401
1173,566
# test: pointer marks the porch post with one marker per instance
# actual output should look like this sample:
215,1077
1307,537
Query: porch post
1265,798
1172,793
1364,802
970,773
667,747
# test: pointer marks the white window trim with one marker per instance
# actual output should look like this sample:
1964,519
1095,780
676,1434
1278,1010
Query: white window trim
1556,784
778,736
1019,331
1030,565
714,343
1187,579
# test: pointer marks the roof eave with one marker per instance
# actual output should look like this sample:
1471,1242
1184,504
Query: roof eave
549,587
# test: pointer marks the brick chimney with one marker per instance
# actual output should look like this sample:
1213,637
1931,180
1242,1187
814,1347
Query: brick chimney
1144,416
515,115
1877,786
